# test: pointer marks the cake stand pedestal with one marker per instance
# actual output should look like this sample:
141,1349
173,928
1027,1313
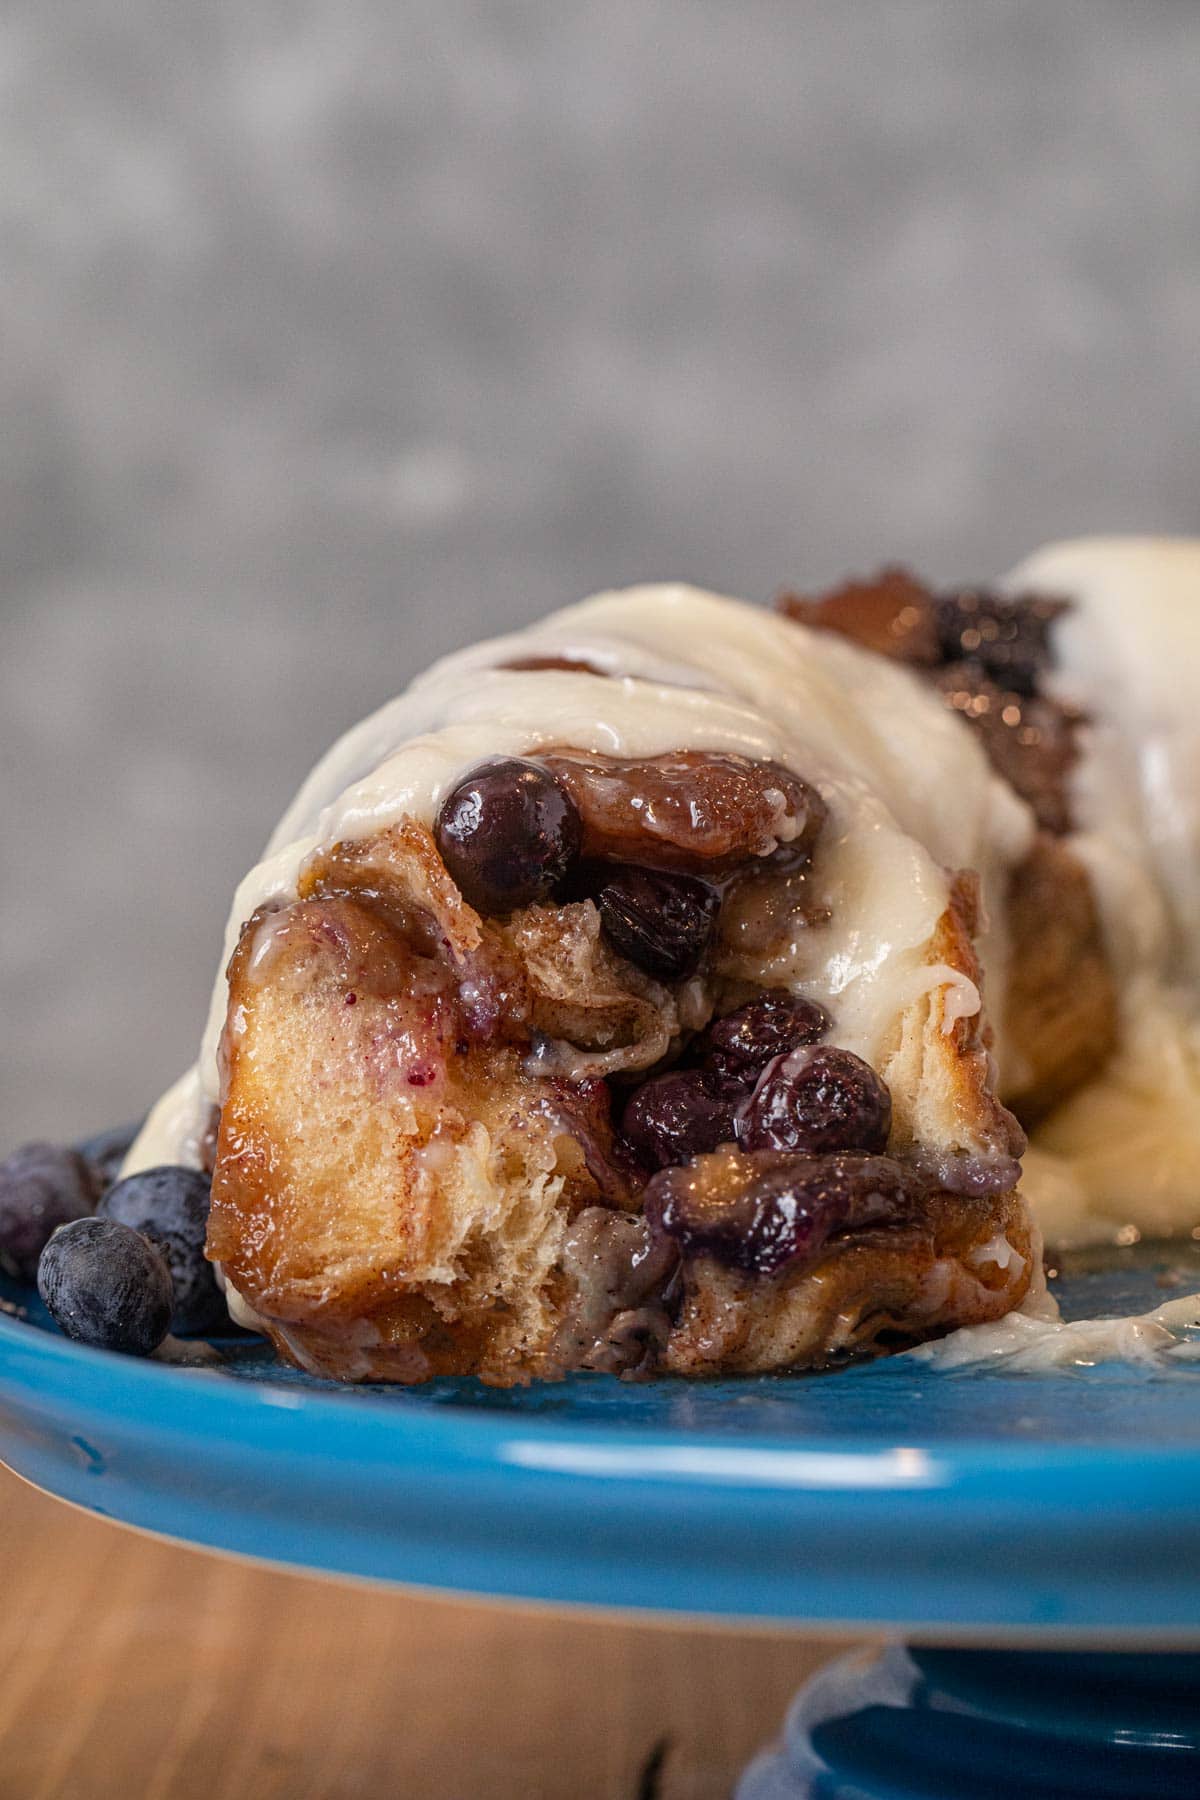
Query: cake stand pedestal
1058,1511
926,1724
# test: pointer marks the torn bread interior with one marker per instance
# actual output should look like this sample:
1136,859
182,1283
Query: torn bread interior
615,999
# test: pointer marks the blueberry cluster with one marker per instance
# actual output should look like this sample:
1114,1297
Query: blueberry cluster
804,1120
119,1264
760,1079
511,835
799,1126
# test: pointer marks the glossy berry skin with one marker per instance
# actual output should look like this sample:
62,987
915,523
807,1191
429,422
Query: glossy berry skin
738,1046
676,1116
107,1286
815,1100
42,1186
662,923
169,1205
508,834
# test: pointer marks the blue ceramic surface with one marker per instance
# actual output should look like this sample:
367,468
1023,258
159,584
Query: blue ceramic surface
891,1493
945,1725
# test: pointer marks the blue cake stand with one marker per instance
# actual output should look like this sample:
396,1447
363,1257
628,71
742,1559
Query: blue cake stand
1057,1516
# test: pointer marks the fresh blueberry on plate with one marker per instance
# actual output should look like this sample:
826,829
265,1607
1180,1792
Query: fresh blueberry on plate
169,1205
42,1186
106,1285
105,1153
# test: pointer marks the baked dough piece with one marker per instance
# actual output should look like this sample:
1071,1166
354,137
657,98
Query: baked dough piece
501,1138
1079,677
424,1162
400,1191
990,658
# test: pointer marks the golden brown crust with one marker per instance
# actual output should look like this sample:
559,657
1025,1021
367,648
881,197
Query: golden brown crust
394,1193
416,1170
1061,1019
583,995
386,1194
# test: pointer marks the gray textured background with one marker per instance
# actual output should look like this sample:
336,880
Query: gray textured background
333,335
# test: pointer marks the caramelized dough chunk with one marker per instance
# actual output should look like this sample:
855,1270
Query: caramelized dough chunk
398,872
1029,740
1061,1019
386,1194
584,995
892,613
986,654
960,1263
766,1210
399,875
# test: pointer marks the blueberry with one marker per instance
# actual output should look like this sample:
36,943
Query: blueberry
661,923
676,1116
42,1186
816,1099
107,1151
762,1211
746,1040
106,1285
169,1205
508,834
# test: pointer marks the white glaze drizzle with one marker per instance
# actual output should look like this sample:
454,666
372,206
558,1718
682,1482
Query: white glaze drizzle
1036,1338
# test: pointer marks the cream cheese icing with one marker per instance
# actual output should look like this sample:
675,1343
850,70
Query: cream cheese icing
1036,1338
911,795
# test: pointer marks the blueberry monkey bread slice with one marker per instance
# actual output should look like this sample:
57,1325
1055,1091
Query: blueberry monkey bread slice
613,1000
546,1139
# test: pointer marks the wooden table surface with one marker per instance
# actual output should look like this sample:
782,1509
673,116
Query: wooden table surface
142,1671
